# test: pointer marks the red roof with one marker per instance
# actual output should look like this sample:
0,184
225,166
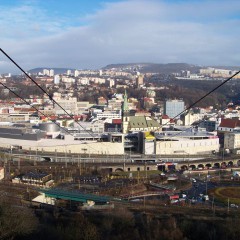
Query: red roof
147,99
117,121
165,117
230,123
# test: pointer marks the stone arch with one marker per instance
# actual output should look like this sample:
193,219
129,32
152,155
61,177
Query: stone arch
200,166
192,166
118,170
223,164
184,167
208,165
217,165
230,163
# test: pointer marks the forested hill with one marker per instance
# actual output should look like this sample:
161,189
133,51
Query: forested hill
155,67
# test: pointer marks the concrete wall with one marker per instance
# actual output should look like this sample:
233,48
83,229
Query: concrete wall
89,148
187,146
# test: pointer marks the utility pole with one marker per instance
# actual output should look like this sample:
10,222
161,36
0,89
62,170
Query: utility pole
79,161
65,157
55,155
145,163
228,205
9,168
219,174
213,202
206,185
35,160
213,205
144,204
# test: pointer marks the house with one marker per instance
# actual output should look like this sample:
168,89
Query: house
35,178
228,125
1,173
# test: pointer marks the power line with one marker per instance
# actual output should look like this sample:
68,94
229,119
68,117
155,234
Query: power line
200,99
41,112
33,107
197,123
50,97
185,130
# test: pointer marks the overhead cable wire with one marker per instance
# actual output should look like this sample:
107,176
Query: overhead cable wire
189,128
34,108
188,108
41,113
50,97
200,99
197,123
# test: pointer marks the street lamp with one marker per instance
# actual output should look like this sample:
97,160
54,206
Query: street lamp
65,156
206,184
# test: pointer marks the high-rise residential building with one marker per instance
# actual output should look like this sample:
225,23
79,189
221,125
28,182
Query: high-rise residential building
46,72
56,79
139,80
173,107
111,82
51,72
69,72
76,73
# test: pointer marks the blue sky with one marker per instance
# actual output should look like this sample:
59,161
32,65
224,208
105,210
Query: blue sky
94,33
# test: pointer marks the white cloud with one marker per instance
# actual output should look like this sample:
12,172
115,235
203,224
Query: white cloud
130,31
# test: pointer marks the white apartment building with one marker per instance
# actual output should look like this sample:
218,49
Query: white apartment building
108,115
46,72
115,104
56,79
68,79
76,73
83,81
97,80
69,72
70,105
191,117
232,141
83,106
111,82
51,72
96,126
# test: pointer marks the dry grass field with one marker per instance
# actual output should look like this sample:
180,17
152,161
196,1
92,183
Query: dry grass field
224,193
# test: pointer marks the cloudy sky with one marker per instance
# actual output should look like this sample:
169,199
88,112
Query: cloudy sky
91,34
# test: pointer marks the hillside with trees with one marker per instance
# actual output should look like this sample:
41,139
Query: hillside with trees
159,222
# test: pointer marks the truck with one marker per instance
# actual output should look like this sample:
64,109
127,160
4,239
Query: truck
205,197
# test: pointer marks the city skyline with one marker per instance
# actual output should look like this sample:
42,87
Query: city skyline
78,34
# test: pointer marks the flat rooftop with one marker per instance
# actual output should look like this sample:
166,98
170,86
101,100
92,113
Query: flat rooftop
41,143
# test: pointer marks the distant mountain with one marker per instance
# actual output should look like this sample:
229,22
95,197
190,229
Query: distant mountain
56,70
154,67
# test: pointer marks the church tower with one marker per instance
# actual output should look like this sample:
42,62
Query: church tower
125,114
125,109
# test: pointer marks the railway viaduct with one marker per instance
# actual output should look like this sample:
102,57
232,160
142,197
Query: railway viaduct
180,165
